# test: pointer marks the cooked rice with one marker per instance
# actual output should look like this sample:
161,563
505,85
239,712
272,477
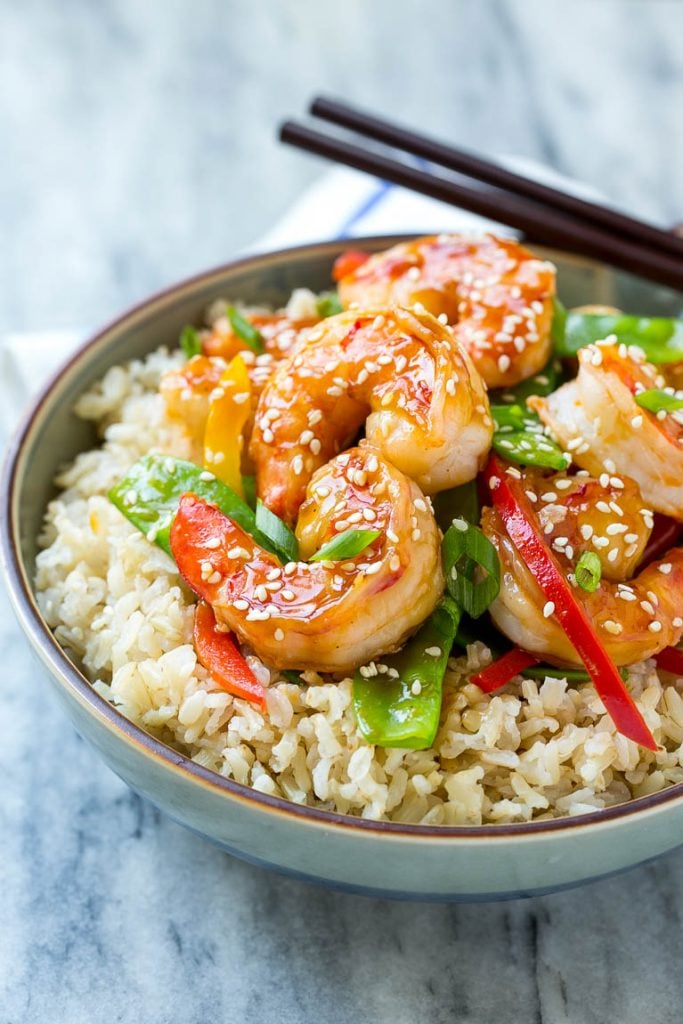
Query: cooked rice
116,604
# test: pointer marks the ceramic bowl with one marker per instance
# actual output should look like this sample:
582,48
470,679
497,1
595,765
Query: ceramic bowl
420,862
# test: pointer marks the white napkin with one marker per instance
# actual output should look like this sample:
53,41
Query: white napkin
341,204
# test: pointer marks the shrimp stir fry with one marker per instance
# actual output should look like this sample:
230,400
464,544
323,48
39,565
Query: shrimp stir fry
326,616
636,614
496,294
597,419
398,371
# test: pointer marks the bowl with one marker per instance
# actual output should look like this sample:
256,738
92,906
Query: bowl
380,858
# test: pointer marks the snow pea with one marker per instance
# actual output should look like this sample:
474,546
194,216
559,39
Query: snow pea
401,706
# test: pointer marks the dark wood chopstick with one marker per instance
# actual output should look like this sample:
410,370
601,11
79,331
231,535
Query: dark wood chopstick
546,227
477,167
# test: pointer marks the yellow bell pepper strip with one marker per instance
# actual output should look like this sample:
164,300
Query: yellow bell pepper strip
219,653
512,504
229,411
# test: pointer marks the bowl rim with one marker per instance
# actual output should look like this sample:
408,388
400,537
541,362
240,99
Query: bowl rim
76,684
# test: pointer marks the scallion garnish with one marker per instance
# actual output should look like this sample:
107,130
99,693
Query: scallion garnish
277,532
328,304
244,330
465,550
588,571
656,400
190,342
345,545
457,503
530,449
572,675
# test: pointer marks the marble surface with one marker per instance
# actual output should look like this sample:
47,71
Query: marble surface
138,146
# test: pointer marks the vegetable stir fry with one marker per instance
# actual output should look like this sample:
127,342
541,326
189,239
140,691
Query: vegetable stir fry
417,460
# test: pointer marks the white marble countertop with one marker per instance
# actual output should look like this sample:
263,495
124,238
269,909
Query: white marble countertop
138,146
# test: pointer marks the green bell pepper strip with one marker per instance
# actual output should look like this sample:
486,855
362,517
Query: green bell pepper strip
660,338
149,494
403,710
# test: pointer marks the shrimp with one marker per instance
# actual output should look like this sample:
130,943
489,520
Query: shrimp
635,616
596,418
324,616
427,405
280,333
496,293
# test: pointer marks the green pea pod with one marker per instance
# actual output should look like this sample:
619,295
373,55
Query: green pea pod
530,449
542,383
661,338
458,503
148,496
404,710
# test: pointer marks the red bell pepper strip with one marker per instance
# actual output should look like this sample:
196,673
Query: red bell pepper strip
219,653
665,534
348,262
670,660
513,507
504,669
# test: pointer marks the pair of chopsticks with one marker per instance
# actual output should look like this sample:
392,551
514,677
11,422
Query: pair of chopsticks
545,215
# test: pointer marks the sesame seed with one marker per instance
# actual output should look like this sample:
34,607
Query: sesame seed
297,465
215,577
655,626
549,496
677,622
393,537
612,627
287,595
240,604
631,538
513,472
433,652
548,609
665,568
341,525
306,436
268,436
637,422
212,542
395,563
238,552
279,634
586,531
254,615
369,515
260,592
504,363
373,569
648,607
615,528
613,555
416,534
416,688
600,542
315,446
461,525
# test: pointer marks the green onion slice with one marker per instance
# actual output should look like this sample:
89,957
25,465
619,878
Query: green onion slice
457,503
190,342
244,330
466,553
345,545
277,532
530,449
656,400
328,304
588,571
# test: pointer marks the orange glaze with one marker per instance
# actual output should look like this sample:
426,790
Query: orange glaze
495,293
399,371
326,616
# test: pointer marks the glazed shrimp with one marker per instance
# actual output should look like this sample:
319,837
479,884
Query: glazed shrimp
635,616
425,404
597,419
325,616
496,293
280,333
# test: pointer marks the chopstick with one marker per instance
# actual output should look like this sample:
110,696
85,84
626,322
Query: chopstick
477,167
539,224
